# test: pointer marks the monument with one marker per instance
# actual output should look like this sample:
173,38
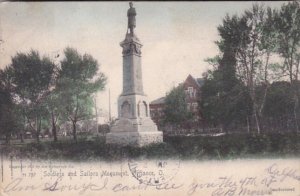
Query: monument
134,126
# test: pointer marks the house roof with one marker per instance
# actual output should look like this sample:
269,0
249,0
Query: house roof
200,81
160,100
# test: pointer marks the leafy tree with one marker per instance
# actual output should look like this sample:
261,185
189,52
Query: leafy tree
53,105
176,111
279,104
226,107
10,122
78,79
287,26
222,92
210,103
249,52
31,78
250,40
244,69
267,72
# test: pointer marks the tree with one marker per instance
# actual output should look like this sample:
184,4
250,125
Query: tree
210,103
279,104
267,72
224,106
247,46
31,78
252,45
222,92
176,111
53,104
287,26
78,79
10,122
249,52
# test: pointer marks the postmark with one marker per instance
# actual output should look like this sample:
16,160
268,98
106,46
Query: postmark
154,172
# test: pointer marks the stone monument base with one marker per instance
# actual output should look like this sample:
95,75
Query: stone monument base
134,138
134,132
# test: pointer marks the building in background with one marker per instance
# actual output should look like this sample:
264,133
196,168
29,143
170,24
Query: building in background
157,108
192,88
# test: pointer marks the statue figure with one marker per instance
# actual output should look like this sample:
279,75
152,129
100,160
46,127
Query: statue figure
131,17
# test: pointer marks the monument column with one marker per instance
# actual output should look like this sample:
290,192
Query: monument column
134,125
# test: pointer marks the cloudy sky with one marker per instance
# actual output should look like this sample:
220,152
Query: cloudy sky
176,37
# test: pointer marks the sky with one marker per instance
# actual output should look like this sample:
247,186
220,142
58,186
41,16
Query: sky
177,37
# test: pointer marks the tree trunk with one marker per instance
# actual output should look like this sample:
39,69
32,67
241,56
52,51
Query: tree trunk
7,138
22,136
37,136
263,101
248,124
53,127
24,127
256,121
37,130
295,112
266,87
254,105
255,113
74,131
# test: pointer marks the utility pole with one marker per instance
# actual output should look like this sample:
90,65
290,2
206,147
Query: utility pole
109,107
96,110
1,38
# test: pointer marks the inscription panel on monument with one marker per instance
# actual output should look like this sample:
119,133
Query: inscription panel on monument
132,75
127,79
138,75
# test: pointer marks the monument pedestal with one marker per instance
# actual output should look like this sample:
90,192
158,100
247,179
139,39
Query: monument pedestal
134,126
139,131
121,135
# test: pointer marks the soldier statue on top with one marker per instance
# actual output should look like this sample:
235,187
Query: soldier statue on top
131,17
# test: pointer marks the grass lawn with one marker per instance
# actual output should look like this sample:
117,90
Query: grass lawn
223,147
